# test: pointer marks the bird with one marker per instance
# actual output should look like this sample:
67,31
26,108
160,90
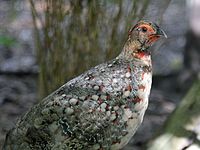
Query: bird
100,109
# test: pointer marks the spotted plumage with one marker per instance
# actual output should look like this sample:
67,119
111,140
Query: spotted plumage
99,110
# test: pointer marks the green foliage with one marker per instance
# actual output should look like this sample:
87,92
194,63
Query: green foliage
7,40
182,125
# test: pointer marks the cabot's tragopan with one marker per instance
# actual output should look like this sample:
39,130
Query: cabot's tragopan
100,109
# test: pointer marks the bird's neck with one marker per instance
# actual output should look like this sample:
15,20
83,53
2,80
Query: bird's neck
132,51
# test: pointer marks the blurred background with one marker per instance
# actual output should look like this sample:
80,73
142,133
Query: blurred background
44,43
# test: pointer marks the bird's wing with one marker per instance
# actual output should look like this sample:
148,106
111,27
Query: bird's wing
88,115
75,114
88,105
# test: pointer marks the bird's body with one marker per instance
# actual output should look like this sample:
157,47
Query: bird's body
100,109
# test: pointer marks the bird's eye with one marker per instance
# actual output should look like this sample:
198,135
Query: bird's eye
144,29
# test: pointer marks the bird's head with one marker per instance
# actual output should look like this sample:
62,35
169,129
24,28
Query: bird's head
145,33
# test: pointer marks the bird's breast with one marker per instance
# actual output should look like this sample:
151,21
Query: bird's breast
138,92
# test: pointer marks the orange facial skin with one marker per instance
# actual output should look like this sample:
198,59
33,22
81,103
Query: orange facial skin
150,31
148,27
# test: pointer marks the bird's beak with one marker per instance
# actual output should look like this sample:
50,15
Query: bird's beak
160,32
